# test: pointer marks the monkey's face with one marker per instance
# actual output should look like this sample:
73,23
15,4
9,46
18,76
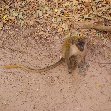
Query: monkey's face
80,44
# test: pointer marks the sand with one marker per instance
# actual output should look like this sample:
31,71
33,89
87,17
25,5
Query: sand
53,90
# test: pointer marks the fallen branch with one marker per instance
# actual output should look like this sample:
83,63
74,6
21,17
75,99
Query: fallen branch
104,17
105,63
96,27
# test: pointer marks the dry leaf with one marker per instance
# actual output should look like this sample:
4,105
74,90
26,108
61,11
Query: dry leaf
60,29
20,16
5,17
75,2
65,26
39,13
1,25
14,13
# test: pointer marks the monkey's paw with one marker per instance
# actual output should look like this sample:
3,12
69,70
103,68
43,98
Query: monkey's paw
82,68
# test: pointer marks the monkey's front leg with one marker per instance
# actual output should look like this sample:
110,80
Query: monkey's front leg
72,63
69,66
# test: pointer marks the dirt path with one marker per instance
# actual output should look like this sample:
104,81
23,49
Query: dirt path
32,34
54,90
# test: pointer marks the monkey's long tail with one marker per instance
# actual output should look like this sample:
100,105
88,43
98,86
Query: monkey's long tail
10,66
52,66
31,69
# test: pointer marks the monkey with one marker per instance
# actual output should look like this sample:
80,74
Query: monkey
77,53
73,50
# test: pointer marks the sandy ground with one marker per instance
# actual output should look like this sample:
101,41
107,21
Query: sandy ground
53,90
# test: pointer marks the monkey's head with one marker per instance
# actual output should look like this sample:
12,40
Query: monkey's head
79,41
80,44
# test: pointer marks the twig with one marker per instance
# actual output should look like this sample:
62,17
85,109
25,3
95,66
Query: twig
101,62
105,17
105,63
96,27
